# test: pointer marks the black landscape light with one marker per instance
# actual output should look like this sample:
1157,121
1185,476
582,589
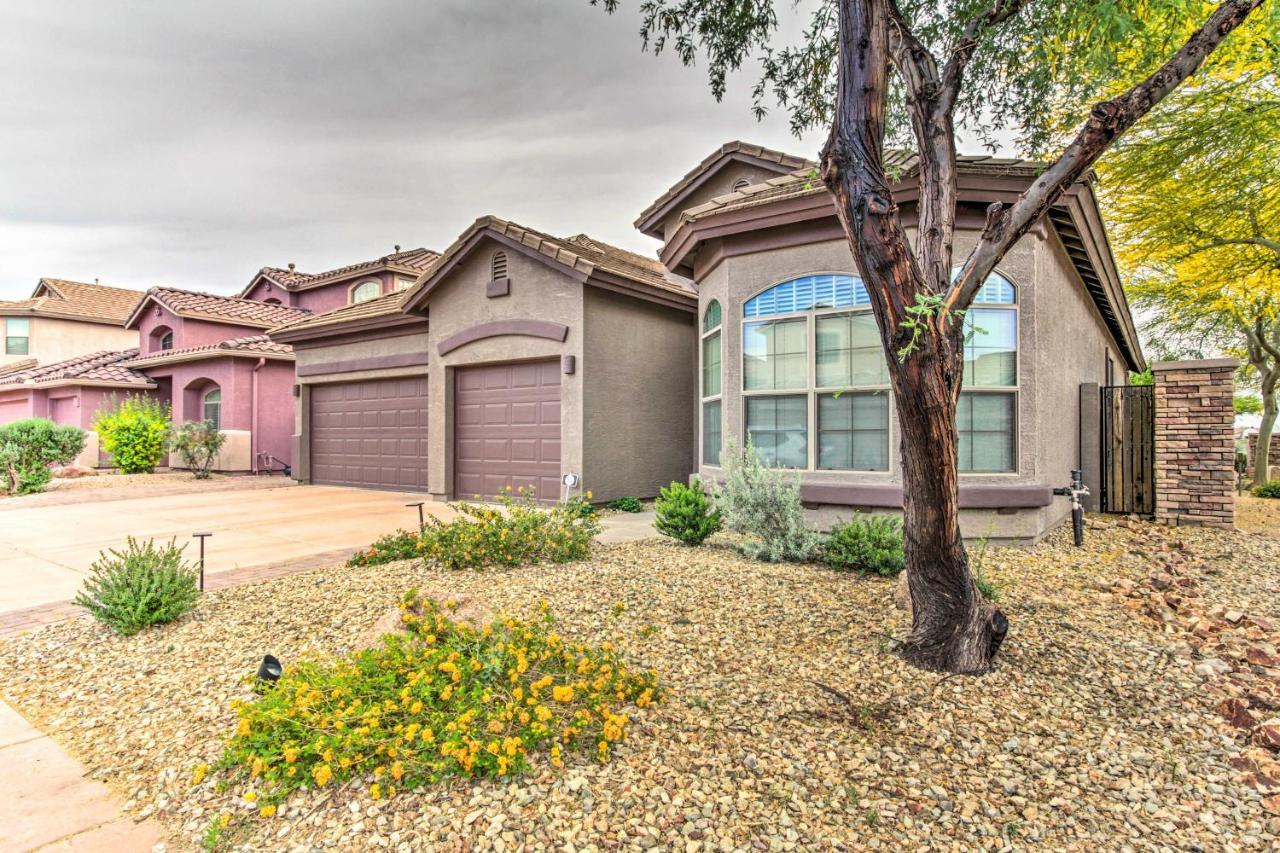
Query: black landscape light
422,519
270,669
1075,491
201,537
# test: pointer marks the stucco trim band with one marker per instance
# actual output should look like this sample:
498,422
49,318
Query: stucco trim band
373,362
525,328
976,496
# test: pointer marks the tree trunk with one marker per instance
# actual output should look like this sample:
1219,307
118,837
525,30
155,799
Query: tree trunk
1262,451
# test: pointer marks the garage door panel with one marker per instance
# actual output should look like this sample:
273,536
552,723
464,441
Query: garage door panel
370,433
515,441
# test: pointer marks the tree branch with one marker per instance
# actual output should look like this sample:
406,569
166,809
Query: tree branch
1107,122
967,44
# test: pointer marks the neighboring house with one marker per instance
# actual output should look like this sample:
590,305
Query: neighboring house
347,285
62,320
518,357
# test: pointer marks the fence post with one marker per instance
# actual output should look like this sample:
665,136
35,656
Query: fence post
1195,442
1091,443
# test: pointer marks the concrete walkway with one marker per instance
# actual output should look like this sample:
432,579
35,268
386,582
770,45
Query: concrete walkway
627,527
51,806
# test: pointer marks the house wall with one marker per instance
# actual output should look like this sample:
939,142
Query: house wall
720,183
54,340
187,332
324,298
638,428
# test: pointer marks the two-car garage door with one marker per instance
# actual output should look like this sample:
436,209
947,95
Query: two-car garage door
371,434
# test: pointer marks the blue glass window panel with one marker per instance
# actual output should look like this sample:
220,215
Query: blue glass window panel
808,293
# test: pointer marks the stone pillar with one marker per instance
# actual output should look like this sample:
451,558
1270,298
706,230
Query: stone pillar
1195,442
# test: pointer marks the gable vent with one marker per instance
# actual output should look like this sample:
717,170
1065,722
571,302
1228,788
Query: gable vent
498,266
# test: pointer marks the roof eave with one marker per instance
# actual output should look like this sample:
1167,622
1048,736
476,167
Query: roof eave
205,355
393,320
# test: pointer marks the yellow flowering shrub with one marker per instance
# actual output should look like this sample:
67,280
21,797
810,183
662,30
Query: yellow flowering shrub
444,699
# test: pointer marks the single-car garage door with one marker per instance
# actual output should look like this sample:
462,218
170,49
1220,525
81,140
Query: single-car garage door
507,429
371,433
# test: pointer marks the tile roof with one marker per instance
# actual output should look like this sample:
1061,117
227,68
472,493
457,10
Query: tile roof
97,367
225,309
15,366
413,261
250,346
381,306
788,162
55,297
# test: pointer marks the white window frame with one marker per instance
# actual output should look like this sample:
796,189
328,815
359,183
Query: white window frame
355,288
1015,389
8,335
704,336
204,406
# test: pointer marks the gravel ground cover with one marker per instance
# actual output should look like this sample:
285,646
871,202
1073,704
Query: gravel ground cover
788,723
1258,515
124,486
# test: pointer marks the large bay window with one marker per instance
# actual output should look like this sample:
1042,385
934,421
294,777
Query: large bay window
816,384
710,394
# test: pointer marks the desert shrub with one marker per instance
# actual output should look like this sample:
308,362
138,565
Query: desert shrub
197,443
135,432
443,700
401,545
141,586
27,449
626,503
685,514
1267,490
868,544
579,506
764,504
514,533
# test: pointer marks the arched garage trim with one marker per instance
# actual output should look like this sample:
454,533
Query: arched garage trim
525,328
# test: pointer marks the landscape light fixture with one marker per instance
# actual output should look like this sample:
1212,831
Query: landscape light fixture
422,519
201,537
270,669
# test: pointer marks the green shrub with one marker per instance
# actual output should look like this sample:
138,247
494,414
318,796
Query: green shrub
977,560
576,507
401,545
515,533
135,432
29,447
1267,490
198,444
625,504
868,544
764,504
685,514
443,700
141,586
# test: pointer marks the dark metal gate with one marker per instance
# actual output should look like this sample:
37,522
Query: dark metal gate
1128,449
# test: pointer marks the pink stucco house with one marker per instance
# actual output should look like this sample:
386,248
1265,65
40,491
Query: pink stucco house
349,285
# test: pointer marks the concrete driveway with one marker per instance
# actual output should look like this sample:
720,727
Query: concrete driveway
46,551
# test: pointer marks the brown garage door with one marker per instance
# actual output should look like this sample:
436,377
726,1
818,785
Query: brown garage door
507,429
371,434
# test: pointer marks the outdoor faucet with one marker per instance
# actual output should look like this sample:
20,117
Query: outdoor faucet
1075,491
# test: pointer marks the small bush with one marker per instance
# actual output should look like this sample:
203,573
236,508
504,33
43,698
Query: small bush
868,544
27,449
625,504
575,507
198,444
764,504
685,514
135,432
515,533
401,545
443,700
1267,490
988,588
141,586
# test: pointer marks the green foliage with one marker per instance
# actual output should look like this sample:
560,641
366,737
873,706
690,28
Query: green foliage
685,514
1248,404
868,544
444,700
764,505
979,557
29,447
197,443
625,504
1146,377
579,506
920,320
515,533
1267,490
135,432
141,586
401,545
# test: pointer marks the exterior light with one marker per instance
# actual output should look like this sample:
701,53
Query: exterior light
570,480
270,669
422,520
201,537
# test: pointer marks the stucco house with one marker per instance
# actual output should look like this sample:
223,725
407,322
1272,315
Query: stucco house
64,319
518,357
336,288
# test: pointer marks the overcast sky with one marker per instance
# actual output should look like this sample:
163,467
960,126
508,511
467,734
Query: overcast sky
190,143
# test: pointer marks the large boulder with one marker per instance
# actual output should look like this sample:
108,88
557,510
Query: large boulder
73,472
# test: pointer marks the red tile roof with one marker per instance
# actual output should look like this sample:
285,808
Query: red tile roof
224,309
412,262
381,306
95,368
75,300
252,345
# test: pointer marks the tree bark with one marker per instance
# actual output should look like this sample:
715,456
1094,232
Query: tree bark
1263,348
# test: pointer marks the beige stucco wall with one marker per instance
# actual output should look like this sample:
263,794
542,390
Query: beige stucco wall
721,183
54,340
235,456
638,426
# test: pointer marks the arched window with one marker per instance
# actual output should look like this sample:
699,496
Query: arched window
212,406
711,373
987,412
498,265
161,338
166,340
271,301
366,290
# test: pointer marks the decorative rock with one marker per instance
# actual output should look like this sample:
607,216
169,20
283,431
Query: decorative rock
73,472
1236,712
1212,667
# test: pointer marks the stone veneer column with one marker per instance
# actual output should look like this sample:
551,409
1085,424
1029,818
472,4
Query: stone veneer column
1194,441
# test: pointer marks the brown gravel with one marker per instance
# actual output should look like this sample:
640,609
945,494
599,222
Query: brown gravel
1258,515
110,487
788,724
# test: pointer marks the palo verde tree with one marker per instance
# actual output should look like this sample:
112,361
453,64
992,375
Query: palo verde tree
911,71
1195,190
